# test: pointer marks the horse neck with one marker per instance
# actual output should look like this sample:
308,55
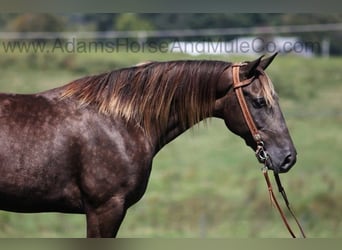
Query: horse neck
175,127
190,109
173,130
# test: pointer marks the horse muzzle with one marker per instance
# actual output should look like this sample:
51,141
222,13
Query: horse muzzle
278,166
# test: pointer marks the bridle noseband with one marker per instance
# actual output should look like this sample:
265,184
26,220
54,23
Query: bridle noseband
261,153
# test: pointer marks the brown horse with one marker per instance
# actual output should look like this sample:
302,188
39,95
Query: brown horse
87,147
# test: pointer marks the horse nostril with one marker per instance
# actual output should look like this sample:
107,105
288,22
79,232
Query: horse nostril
288,162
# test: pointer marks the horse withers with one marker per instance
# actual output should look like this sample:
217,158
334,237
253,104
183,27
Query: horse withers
87,147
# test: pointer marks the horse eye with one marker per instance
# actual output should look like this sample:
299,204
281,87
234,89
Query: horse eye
259,102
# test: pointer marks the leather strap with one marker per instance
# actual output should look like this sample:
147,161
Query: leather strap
237,84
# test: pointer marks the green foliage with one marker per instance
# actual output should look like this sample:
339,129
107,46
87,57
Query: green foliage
211,21
207,183
131,21
4,19
36,22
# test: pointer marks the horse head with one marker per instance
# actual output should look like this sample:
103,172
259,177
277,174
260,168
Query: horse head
262,104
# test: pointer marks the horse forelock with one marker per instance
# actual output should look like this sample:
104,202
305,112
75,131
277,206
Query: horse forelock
267,89
148,94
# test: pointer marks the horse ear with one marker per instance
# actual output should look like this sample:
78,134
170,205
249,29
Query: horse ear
251,66
267,61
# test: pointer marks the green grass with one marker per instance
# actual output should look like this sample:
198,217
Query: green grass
207,183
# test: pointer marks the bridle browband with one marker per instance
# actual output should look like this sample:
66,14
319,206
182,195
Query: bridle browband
261,152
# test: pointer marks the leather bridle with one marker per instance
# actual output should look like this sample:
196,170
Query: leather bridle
261,152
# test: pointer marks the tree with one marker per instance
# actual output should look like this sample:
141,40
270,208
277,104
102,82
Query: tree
36,23
131,21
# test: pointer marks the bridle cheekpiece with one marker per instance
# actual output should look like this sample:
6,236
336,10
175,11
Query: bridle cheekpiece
260,152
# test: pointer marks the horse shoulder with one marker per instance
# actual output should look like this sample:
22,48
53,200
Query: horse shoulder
116,159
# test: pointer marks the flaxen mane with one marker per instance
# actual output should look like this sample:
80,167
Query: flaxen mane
147,94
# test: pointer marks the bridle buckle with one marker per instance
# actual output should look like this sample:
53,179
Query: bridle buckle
261,153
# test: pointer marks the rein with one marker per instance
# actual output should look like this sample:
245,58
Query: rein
261,153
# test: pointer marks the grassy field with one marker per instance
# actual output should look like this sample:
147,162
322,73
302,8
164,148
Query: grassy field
207,183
